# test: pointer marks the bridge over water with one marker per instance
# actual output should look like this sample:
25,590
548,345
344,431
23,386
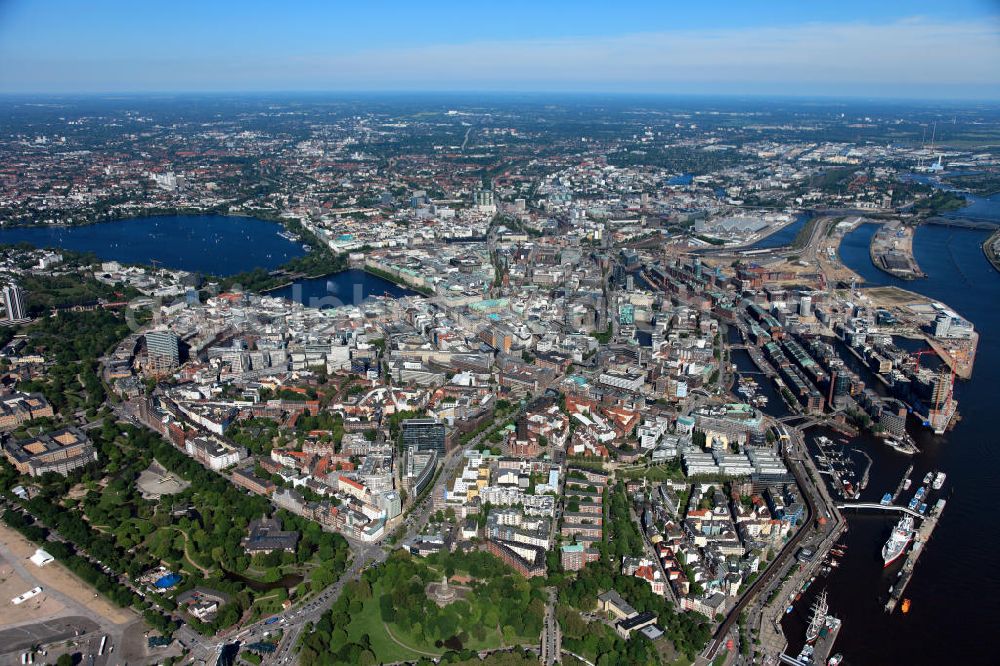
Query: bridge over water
875,506
964,223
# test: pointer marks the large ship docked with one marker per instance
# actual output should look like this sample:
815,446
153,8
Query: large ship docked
900,538
821,634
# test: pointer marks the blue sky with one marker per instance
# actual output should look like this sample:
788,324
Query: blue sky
943,49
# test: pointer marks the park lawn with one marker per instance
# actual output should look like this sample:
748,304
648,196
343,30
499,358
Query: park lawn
490,641
266,605
369,621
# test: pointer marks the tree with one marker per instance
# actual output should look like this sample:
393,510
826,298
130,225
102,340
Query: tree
64,660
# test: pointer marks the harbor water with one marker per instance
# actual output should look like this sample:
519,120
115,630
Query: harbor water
956,581
786,235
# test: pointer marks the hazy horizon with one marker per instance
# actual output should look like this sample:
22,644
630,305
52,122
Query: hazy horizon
894,50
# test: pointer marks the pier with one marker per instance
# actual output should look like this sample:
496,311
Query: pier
824,644
924,533
822,649
868,469
891,251
959,355
902,482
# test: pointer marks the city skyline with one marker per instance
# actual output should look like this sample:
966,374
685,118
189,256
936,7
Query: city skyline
919,50
499,335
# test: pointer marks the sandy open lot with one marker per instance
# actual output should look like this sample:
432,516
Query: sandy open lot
11,585
894,296
56,579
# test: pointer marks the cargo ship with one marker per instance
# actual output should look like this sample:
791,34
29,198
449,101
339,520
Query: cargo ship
900,538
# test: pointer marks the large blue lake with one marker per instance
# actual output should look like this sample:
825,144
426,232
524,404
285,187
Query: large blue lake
212,244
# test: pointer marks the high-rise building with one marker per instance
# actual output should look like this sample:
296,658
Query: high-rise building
941,387
162,352
424,434
482,197
13,299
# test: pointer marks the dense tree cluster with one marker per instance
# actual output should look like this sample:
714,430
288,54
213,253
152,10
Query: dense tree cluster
72,342
257,434
46,292
197,531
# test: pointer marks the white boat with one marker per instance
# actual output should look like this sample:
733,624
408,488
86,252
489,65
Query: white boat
900,538
939,479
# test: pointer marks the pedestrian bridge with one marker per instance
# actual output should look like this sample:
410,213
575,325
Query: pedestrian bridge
875,506
807,420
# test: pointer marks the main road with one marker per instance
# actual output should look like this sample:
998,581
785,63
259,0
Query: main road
818,505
